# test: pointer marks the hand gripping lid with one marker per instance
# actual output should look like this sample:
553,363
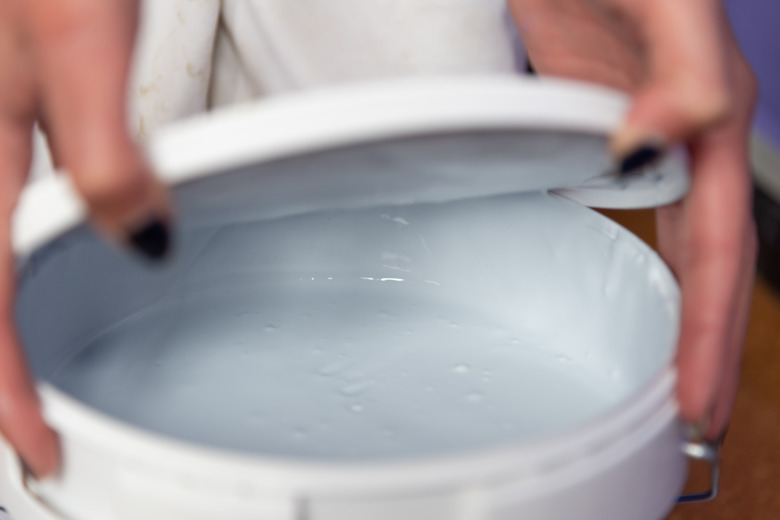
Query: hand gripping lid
394,142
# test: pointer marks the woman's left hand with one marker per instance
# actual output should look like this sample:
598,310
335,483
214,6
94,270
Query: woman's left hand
689,85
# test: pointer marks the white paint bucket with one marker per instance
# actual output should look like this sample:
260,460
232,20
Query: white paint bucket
377,310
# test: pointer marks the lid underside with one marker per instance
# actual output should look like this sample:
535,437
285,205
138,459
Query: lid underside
391,143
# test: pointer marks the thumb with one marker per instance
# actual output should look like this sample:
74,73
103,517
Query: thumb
83,50
687,89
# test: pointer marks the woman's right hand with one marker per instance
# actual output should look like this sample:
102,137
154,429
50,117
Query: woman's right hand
689,85
64,63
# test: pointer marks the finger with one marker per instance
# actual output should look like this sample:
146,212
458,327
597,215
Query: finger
715,268
20,415
688,83
83,49
726,394
20,418
710,242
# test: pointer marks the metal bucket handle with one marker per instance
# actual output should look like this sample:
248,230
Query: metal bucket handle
709,452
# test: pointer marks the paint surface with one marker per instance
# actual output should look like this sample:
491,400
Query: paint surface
359,334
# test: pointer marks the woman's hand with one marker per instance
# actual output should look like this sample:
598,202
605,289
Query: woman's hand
689,84
65,63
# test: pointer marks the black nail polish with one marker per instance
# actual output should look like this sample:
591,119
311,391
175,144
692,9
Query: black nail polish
643,155
27,470
529,67
152,239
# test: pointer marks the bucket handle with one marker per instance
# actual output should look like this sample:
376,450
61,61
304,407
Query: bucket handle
709,452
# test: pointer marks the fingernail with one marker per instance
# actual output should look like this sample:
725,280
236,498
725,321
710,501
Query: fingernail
643,155
28,470
696,431
529,67
152,239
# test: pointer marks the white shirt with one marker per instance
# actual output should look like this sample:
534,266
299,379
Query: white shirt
196,54
193,55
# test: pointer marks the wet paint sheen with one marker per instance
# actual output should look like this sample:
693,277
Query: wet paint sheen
363,334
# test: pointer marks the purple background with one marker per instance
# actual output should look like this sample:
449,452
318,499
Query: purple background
757,24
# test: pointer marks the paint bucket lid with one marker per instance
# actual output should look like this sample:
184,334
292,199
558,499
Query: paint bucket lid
397,142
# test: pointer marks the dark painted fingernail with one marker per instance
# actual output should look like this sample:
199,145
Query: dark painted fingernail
529,67
27,470
644,155
152,239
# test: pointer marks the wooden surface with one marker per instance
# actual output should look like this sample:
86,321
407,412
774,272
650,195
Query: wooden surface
750,479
